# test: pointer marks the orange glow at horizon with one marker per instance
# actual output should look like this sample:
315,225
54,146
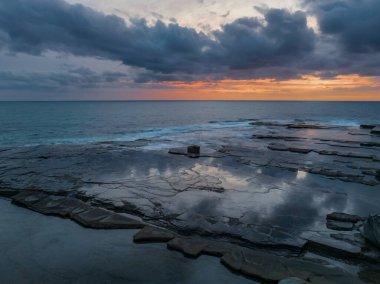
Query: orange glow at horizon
308,87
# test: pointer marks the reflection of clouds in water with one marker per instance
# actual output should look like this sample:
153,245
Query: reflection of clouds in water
299,209
292,210
168,172
207,206
262,196
153,172
310,132
227,178
241,194
301,175
165,186
132,173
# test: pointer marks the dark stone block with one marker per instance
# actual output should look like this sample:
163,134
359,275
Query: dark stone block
187,247
367,126
272,268
278,147
370,276
153,234
300,150
344,217
83,213
339,226
193,150
376,130
8,192
371,230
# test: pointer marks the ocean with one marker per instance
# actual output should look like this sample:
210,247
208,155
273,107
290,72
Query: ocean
46,123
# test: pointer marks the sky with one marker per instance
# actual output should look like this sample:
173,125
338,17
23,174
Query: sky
190,50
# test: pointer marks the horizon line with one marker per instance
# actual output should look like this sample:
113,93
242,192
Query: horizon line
163,100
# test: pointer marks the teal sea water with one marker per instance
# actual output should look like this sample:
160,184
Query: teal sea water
42,123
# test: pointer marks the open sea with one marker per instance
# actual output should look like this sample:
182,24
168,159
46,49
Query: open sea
44,123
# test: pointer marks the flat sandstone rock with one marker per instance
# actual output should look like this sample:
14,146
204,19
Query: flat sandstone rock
153,234
273,268
83,213
344,217
189,248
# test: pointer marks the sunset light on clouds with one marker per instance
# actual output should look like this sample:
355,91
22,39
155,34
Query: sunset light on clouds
308,87
197,141
201,50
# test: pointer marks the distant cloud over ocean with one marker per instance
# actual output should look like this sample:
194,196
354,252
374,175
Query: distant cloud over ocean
276,43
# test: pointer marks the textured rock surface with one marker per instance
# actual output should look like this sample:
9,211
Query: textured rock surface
370,276
238,190
8,192
193,150
367,126
343,221
339,226
344,217
371,230
74,209
42,249
187,247
292,280
184,151
275,268
153,234
376,130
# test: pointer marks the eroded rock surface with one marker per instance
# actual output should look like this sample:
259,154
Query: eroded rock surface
371,230
190,248
266,186
342,221
153,234
344,217
370,276
84,214
376,130
275,268
292,280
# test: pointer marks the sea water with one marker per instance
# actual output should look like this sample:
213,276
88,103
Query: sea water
44,123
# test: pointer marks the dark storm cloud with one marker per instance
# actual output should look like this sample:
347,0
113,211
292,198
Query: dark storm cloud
248,48
280,45
349,41
355,23
36,26
80,78
248,43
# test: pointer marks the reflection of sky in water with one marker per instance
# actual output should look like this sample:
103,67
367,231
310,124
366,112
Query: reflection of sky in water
230,194
301,175
220,194
295,201
226,178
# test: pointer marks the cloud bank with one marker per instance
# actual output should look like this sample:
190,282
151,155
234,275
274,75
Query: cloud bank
355,23
278,45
